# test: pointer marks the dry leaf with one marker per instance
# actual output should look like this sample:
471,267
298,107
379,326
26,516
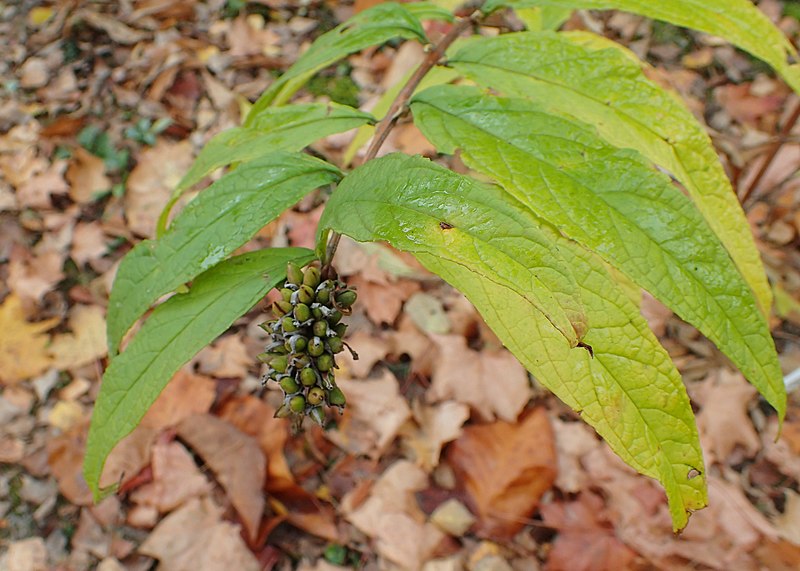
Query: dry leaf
65,458
116,30
35,192
34,73
370,348
186,394
492,382
87,176
236,460
723,421
129,457
227,357
65,414
27,555
374,414
573,441
32,276
435,426
383,301
151,182
89,242
788,523
86,343
176,479
585,541
194,538
393,519
23,352
505,468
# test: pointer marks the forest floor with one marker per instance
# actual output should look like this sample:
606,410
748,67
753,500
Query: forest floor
441,457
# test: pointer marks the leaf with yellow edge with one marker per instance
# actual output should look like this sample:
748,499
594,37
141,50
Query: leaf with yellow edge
582,76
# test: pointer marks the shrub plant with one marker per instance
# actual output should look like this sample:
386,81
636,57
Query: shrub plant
590,182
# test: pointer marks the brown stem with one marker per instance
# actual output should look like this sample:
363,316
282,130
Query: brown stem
773,152
385,126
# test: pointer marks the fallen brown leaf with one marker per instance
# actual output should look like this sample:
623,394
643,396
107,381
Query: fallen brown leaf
374,414
176,479
370,348
151,182
227,357
65,458
585,541
393,519
492,382
195,538
435,426
186,394
236,460
23,345
505,468
723,421
89,242
383,301
86,343
86,176
31,276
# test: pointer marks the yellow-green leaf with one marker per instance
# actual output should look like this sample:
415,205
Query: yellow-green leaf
738,21
607,89
630,391
613,202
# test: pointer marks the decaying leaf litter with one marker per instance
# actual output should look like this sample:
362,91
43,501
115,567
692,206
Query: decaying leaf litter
104,111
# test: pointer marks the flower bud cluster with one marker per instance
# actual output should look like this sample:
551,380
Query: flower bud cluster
305,335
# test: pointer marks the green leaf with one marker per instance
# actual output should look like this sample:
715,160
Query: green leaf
213,225
373,26
429,11
738,21
629,391
288,128
612,202
543,18
430,211
175,332
608,89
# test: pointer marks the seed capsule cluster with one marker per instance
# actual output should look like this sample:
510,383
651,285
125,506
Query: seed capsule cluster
306,333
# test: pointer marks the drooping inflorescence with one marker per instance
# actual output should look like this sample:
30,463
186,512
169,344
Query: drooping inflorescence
305,335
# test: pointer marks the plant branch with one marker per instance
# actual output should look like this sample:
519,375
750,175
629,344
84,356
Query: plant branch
396,109
773,152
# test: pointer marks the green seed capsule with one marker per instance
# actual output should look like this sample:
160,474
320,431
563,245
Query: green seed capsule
335,317
320,328
311,277
281,308
267,325
324,296
315,396
302,312
336,397
316,347
300,360
298,343
341,329
286,293
317,415
297,404
335,344
283,412
305,295
294,275
308,377
289,385
346,298
287,324
324,362
280,363
317,314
